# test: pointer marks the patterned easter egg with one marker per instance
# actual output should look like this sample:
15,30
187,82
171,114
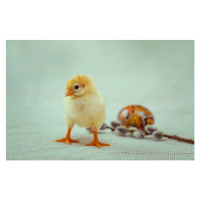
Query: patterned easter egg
137,116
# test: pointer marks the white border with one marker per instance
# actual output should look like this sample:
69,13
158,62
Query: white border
99,20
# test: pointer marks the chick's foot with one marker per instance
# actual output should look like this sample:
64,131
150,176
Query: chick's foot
97,144
67,140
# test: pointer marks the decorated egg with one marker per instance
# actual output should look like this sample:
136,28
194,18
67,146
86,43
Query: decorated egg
136,115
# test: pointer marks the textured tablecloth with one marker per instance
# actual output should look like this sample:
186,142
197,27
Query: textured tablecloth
156,74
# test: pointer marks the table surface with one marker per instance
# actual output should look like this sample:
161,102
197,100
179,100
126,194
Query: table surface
156,74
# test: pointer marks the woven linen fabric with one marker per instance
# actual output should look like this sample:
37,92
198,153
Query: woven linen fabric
156,74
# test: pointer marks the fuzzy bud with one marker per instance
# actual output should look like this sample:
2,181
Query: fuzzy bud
115,124
132,129
122,130
103,127
139,134
150,129
157,135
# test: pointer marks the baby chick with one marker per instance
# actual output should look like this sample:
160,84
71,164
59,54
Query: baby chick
84,106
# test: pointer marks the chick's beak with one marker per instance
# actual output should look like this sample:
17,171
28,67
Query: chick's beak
68,93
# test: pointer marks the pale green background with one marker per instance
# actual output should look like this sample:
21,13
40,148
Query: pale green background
156,74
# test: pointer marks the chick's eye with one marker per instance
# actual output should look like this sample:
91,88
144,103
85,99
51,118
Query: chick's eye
76,87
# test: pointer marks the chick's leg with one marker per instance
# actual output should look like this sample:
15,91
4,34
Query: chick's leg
67,139
95,141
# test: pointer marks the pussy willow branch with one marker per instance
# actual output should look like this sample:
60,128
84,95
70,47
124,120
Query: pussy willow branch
112,129
175,137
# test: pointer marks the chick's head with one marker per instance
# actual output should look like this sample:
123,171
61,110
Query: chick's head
79,85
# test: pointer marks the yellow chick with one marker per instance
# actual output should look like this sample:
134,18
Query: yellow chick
84,106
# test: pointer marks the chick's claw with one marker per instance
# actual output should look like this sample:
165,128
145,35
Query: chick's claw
97,144
67,141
